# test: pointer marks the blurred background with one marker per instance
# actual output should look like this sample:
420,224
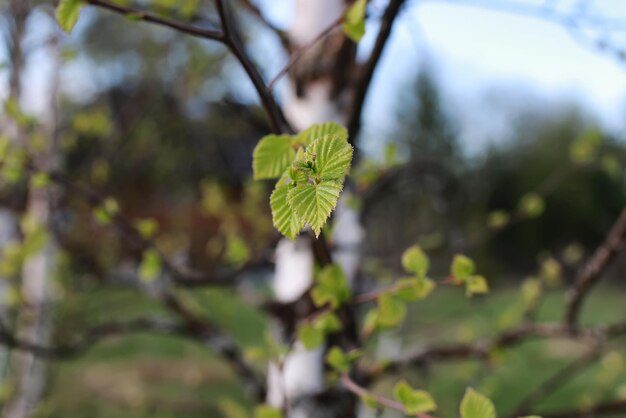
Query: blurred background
493,128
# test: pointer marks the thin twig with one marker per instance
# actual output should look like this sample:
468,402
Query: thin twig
227,36
216,35
299,52
361,392
362,88
593,269
556,381
481,349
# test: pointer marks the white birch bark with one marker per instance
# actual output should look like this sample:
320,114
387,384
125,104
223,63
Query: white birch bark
34,322
302,372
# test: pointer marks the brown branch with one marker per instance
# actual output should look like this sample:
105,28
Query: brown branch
612,408
369,67
146,16
556,381
91,337
254,10
227,36
299,52
208,335
184,277
231,41
361,392
481,349
593,269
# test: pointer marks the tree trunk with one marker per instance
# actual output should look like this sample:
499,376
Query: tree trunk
34,322
315,95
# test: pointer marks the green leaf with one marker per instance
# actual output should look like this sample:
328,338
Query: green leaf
532,205
39,180
320,130
105,213
272,156
67,13
313,203
237,250
283,216
584,149
414,401
391,310
370,401
476,285
414,288
415,261
327,322
310,337
332,156
370,322
150,266
331,287
147,228
498,219
611,165
266,411
341,361
354,21
475,405
462,267
231,408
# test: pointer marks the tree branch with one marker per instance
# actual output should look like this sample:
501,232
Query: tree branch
593,269
556,381
226,36
613,408
184,277
146,16
361,392
254,10
481,349
231,41
91,337
363,84
299,52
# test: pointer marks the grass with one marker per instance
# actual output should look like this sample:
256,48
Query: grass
155,376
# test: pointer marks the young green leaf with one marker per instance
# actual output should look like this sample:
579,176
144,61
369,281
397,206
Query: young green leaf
462,267
327,322
150,266
415,261
237,250
266,411
283,216
498,219
414,288
391,310
370,322
475,405
310,336
331,287
532,205
332,156
272,156
67,13
476,285
414,401
341,361
320,130
313,203
370,401
354,21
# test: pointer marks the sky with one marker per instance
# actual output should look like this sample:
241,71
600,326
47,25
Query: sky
474,51
477,53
